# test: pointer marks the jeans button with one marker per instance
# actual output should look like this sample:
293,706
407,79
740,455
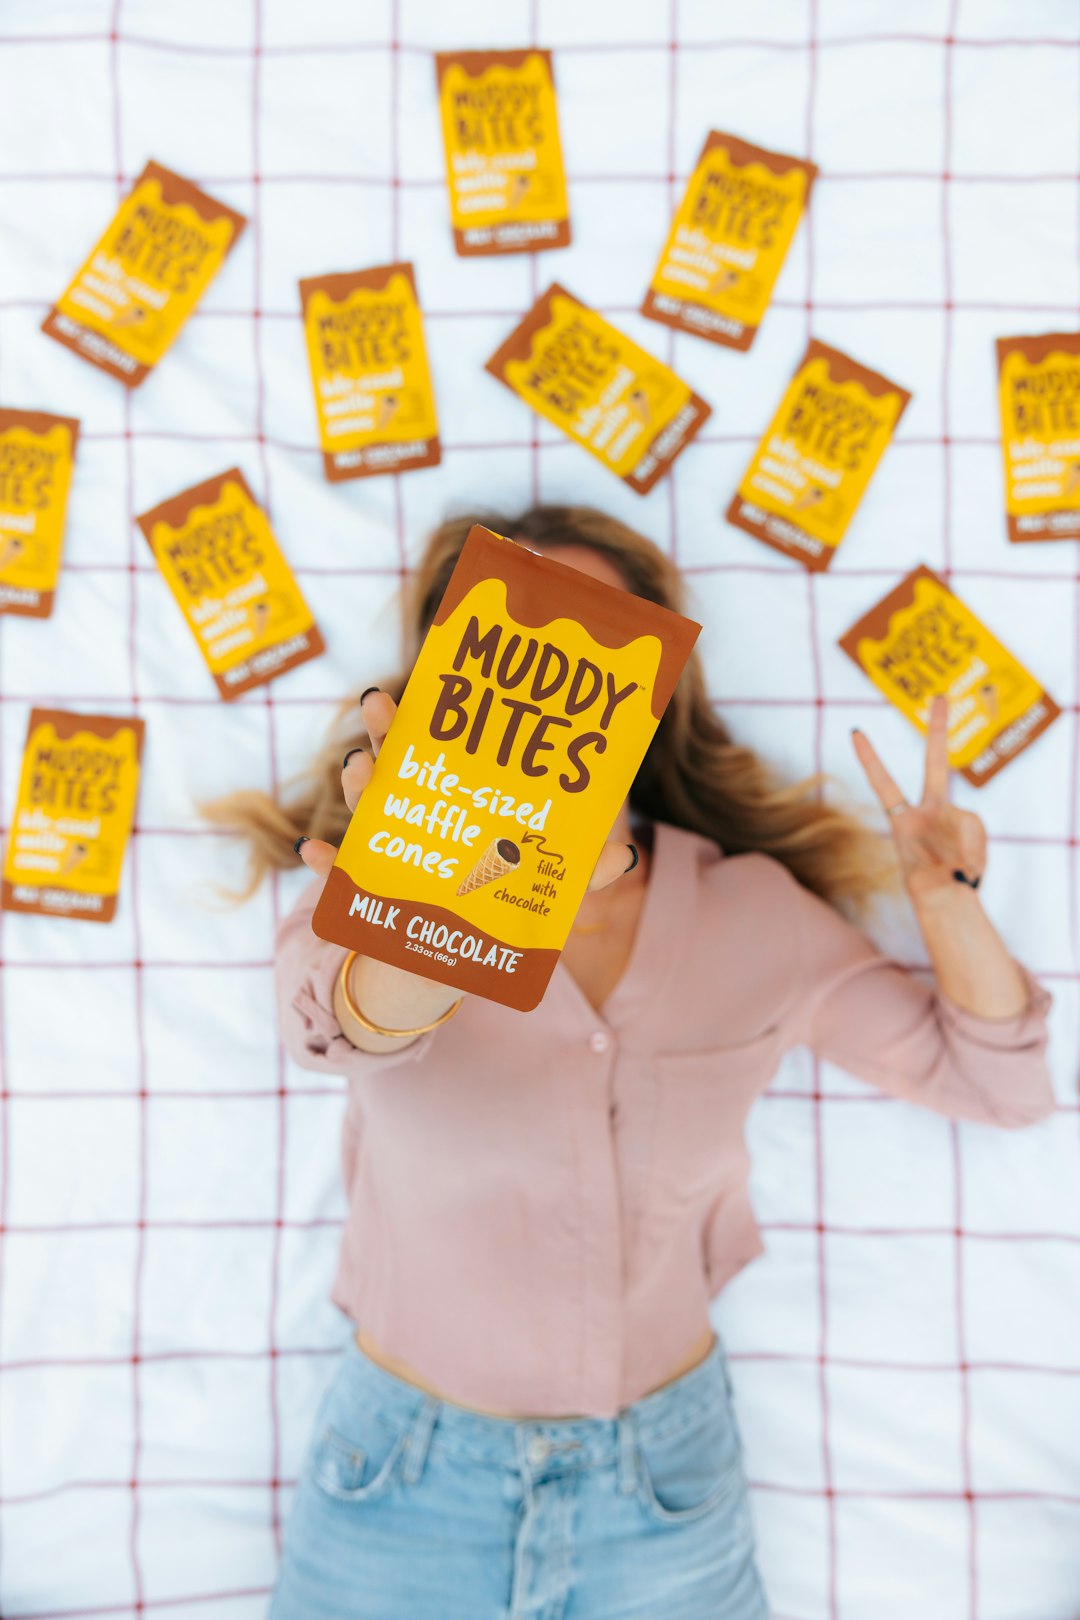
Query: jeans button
537,1449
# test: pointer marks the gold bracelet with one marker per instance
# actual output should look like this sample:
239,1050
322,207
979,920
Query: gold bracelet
377,1029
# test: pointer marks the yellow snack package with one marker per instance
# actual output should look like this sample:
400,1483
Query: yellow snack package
504,166
1039,392
523,724
728,241
37,459
126,304
817,456
217,551
624,406
369,369
921,640
73,815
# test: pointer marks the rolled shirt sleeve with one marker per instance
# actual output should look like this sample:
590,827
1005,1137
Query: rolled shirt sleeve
872,1016
305,969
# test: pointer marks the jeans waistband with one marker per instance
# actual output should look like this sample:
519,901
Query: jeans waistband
507,1440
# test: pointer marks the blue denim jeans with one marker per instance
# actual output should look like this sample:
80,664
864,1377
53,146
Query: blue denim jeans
411,1508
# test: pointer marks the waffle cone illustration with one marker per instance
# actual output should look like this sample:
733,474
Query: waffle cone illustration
1072,479
638,401
519,185
74,857
134,315
809,497
260,617
988,694
11,547
388,408
723,279
500,858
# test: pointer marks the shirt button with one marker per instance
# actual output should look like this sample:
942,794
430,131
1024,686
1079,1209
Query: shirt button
599,1040
537,1449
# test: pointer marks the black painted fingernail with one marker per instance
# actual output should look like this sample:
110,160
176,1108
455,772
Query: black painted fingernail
303,839
349,755
634,858
369,691
962,877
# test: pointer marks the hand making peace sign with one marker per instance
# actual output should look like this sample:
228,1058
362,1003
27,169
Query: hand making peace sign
938,844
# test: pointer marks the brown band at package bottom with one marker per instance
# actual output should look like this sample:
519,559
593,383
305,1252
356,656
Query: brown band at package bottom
521,989
84,908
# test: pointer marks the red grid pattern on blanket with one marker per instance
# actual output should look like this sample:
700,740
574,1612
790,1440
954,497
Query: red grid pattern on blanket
284,1090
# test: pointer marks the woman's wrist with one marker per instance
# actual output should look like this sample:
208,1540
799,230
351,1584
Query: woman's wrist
382,1008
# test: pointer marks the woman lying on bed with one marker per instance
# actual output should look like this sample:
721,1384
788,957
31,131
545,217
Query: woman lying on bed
535,1415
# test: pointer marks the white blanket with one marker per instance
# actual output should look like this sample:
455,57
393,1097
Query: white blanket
907,1355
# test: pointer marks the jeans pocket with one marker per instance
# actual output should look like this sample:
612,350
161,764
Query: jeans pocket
360,1466
686,1472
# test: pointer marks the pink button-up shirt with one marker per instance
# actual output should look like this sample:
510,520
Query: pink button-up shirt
541,1205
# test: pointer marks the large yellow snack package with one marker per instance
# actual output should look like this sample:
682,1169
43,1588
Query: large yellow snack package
504,166
728,241
524,721
37,459
127,302
1039,392
73,815
921,640
817,456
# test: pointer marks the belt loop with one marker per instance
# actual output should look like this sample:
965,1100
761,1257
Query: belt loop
416,1446
627,1459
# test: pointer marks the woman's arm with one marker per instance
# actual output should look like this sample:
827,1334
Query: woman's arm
927,1043
972,1046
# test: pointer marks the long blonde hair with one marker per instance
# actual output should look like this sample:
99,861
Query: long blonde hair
693,776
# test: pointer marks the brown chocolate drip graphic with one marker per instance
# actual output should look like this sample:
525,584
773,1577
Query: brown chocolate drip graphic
175,189
67,725
534,597
340,284
1034,349
741,155
842,369
176,510
475,63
